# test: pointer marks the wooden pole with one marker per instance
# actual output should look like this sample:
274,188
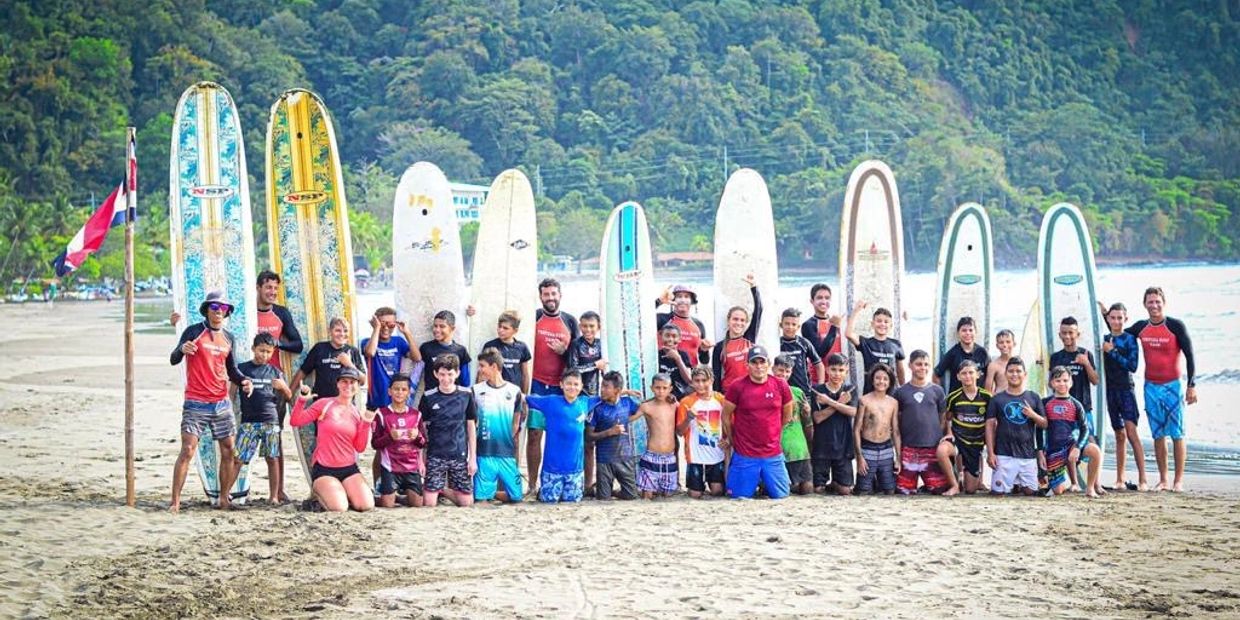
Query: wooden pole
131,199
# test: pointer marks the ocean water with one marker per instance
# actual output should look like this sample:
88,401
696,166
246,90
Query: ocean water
1205,297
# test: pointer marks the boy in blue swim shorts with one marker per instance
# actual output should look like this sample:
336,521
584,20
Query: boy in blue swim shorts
499,405
563,468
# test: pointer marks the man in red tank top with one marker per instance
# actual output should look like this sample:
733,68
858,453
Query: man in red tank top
553,332
207,349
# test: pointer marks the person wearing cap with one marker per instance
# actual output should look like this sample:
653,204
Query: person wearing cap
207,349
693,340
755,410
340,433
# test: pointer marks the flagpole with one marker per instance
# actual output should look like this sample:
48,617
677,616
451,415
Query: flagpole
131,199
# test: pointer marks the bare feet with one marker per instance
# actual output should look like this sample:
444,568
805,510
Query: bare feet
1161,486
1119,484
1178,487
1091,494
174,507
1074,489
952,490
1099,490
1142,486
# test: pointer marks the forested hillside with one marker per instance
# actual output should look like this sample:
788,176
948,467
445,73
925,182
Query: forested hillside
1130,109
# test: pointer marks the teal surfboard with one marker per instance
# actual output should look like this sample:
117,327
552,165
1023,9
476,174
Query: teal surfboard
1067,279
966,265
212,240
626,280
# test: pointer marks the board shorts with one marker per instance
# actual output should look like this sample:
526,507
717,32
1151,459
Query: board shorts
1013,472
833,471
262,438
536,421
698,476
745,472
494,471
799,471
1057,466
880,462
449,473
923,464
606,475
1164,406
1122,407
203,419
405,482
970,458
339,473
553,488
658,472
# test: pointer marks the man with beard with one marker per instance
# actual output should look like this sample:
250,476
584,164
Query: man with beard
553,332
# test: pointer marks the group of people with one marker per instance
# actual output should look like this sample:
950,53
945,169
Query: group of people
745,421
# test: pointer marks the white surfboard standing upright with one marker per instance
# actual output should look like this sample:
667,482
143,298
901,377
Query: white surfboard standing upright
965,272
1067,287
745,244
505,271
871,250
428,271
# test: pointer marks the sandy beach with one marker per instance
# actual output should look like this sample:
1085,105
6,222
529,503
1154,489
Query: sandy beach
73,548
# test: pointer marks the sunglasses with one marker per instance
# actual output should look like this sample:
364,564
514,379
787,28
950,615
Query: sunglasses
219,307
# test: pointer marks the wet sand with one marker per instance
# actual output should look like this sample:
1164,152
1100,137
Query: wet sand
73,548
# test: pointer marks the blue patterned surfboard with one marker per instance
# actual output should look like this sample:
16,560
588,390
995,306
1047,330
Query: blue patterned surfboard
211,240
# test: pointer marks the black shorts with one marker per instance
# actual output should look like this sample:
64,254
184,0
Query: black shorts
339,473
970,458
1122,407
698,476
799,471
838,471
451,473
407,482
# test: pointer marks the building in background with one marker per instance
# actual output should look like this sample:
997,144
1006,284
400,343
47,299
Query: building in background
467,200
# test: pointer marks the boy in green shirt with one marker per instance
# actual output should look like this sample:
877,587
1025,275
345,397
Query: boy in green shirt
796,448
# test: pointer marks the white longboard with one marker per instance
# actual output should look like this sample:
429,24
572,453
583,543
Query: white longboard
1066,285
1032,351
505,271
426,252
626,280
745,244
965,269
871,250
212,240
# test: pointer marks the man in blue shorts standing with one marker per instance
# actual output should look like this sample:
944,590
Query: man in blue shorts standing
755,410
1162,340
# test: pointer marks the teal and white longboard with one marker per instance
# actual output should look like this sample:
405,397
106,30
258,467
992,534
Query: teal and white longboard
626,277
871,251
1067,287
212,240
966,265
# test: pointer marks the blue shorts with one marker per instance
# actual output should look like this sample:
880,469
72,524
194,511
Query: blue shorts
208,419
257,438
536,421
1122,407
561,487
1164,406
494,471
745,472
